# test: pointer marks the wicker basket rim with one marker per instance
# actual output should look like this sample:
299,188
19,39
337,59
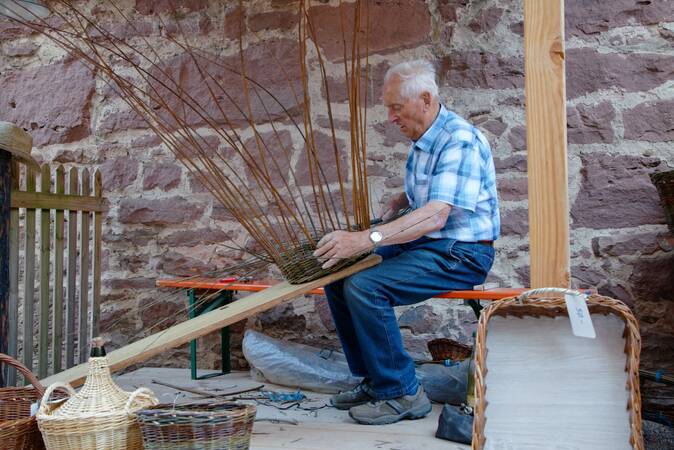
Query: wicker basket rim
555,304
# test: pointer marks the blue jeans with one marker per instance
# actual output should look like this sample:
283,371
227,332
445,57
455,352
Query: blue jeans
362,305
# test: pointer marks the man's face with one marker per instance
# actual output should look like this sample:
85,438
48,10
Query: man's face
407,114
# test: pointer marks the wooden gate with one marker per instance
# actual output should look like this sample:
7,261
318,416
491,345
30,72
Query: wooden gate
57,261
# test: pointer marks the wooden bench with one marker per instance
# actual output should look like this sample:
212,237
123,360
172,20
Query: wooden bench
225,290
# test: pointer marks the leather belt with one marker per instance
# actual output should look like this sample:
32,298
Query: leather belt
487,243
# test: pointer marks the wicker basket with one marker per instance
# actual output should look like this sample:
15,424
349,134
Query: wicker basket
202,426
664,183
299,265
18,430
541,324
444,348
101,416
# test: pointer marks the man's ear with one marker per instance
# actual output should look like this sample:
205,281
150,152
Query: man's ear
427,98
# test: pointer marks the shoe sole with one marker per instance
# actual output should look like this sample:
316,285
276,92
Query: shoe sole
415,413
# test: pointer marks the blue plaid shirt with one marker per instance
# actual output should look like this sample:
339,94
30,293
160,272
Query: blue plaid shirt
452,163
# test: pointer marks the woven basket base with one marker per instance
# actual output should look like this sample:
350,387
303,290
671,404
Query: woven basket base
565,391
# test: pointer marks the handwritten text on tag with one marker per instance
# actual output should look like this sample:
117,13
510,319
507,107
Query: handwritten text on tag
581,323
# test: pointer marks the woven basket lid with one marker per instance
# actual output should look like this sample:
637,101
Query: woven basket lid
16,141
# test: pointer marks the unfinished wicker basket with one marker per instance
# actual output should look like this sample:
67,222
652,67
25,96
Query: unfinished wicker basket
539,386
197,426
18,429
100,416
301,266
664,183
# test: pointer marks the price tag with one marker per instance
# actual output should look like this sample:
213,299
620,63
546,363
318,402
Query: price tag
581,323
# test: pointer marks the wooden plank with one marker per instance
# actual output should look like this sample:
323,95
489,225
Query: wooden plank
97,248
83,334
13,277
546,142
22,199
199,326
45,245
57,313
71,289
29,277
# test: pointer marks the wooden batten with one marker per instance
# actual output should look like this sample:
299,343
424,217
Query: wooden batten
29,277
45,246
83,329
546,142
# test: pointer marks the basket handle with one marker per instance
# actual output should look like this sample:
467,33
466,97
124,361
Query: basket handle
28,375
50,390
546,291
140,392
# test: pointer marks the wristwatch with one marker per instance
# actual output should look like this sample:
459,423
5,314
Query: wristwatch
376,237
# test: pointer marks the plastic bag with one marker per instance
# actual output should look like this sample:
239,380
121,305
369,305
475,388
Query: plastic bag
445,384
297,365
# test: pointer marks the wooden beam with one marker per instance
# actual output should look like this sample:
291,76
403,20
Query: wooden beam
40,200
546,142
199,326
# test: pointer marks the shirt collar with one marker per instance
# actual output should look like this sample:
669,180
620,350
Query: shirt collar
425,142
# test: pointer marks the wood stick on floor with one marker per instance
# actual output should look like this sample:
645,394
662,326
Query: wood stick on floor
207,394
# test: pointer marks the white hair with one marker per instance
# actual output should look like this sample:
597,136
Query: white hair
416,77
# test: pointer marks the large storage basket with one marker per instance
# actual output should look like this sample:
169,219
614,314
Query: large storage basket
198,426
18,430
539,386
100,416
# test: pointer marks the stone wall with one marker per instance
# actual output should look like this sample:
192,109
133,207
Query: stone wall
620,67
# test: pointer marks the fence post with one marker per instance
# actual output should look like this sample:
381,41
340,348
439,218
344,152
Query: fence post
5,206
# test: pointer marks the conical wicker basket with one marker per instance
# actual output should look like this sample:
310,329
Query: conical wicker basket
530,371
100,416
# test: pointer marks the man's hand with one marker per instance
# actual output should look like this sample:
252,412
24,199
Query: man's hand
335,246
395,204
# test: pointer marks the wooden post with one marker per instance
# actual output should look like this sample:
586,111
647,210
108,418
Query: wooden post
5,206
546,142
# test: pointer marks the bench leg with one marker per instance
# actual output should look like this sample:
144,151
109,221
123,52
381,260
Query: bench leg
193,342
476,306
224,298
225,350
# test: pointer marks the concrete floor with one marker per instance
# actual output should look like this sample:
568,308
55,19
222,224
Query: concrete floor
322,429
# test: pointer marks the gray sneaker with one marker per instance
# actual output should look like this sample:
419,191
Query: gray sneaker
381,412
349,399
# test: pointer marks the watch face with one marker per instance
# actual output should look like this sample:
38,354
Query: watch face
376,236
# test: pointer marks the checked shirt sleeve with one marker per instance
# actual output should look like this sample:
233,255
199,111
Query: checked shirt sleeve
456,177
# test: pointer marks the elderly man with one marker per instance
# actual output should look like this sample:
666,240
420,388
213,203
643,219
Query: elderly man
445,243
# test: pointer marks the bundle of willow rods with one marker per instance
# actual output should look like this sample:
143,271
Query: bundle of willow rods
245,176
